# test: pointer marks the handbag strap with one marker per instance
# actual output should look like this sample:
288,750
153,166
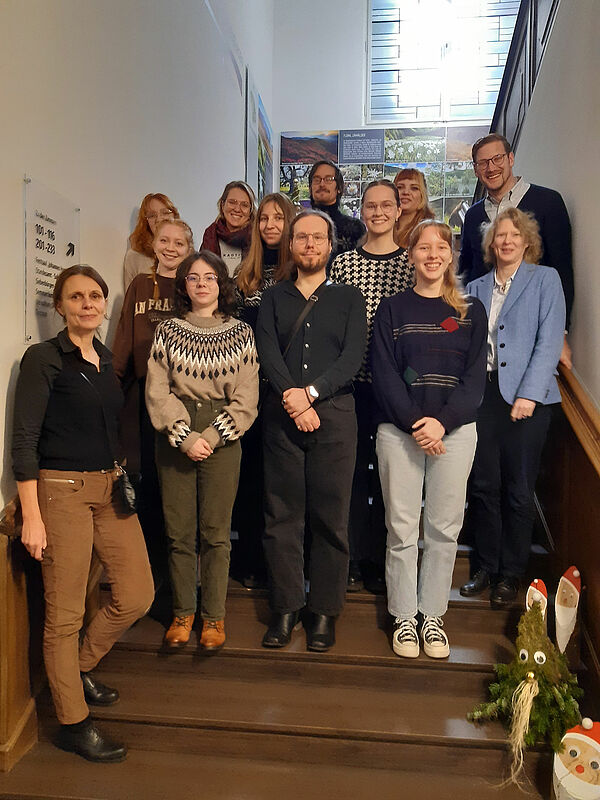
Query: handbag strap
113,444
302,316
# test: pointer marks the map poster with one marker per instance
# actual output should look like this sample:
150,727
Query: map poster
51,245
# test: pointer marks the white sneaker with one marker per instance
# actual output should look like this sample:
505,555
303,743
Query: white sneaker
435,641
405,639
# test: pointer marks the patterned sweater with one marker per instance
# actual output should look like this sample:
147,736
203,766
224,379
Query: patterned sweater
376,276
208,358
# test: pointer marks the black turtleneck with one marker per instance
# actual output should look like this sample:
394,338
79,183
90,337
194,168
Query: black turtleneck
349,230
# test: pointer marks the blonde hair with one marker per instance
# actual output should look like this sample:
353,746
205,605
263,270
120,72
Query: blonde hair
402,231
187,232
452,291
527,226
249,276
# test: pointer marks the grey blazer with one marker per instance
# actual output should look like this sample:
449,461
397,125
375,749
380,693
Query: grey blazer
530,333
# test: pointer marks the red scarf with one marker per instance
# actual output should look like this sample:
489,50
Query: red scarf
219,230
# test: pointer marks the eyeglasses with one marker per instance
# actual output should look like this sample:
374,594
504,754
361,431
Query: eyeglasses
243,205
164,214
318,238
194,279
327,179
388,207
497,161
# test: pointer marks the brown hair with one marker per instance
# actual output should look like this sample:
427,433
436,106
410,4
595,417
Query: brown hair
141,239
249,276
402,232
381,182
236,185
69,272
182,302
452,291
527,226
491,137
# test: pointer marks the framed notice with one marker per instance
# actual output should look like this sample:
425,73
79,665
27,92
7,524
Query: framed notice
51,244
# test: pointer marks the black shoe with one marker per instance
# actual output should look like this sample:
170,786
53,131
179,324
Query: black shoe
355,580
96,693
90,743
376,584
280,630
478,584
254,581
321,634
504,593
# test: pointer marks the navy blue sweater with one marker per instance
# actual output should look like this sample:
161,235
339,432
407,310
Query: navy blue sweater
427,362
549,209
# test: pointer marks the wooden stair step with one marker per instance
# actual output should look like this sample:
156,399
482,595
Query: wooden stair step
49,774
478,636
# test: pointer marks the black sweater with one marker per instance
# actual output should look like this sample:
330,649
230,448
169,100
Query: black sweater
427,362
349,231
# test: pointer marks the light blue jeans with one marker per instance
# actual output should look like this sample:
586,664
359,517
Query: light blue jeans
403,469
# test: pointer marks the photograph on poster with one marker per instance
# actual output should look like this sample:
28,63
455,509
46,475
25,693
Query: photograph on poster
459,179
306,148
265,152
371,172
293,180
415,144
460,139
351,172
252,169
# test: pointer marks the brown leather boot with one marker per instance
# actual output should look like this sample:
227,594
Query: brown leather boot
213,634
178,634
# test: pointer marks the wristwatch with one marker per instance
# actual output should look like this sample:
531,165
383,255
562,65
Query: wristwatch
313,392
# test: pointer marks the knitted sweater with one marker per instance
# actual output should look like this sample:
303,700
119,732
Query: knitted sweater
202,358
427,362
376,276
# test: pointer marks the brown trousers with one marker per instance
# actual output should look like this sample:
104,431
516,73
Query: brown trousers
79,513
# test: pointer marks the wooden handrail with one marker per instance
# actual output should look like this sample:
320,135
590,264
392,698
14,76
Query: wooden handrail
582,414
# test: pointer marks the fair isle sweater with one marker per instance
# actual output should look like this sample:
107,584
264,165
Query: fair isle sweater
202,358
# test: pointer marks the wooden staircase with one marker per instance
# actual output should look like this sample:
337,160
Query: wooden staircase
257,724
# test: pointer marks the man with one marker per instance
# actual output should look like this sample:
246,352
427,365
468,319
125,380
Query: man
493,162
310,349
326,186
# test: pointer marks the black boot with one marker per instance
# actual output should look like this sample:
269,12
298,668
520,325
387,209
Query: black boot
280,630
321,634
478,584
86,740
355,579
96,693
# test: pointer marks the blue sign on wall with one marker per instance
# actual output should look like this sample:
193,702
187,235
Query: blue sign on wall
361,146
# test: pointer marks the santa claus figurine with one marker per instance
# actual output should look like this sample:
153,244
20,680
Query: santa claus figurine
565,606
577,766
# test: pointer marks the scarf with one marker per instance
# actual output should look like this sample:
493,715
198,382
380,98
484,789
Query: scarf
219,230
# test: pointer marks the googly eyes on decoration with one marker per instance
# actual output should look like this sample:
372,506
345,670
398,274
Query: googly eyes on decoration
594,765
573,752
523,654
539,657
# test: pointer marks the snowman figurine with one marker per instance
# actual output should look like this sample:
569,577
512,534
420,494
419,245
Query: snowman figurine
577,765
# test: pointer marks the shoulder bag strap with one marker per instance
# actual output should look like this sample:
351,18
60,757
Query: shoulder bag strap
303,314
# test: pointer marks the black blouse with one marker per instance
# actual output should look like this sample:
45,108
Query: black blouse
62,419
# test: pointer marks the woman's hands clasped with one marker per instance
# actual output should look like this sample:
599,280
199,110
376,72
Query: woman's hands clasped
199,450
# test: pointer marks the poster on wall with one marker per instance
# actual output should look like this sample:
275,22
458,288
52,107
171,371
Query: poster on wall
251,133
51,245
442,153
265,152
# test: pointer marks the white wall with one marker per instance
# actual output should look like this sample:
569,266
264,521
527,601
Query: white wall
104,101
560,148
319,64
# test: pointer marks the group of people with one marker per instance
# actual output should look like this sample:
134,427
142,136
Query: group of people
343,366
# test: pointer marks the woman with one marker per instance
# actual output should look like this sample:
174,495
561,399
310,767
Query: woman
229,234
139,258
268,255
415,205
379,268
526,309
265,264
149,301
65,455
428,360
201,393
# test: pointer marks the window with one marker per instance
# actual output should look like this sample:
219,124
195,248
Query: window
437,60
